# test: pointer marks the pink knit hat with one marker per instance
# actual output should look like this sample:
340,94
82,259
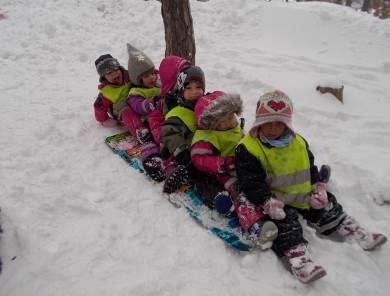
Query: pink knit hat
273,106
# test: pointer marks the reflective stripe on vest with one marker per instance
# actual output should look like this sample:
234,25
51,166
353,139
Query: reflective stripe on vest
287,169
186,115
225,141
145,92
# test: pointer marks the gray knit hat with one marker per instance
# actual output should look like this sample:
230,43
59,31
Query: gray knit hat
105,64
139,63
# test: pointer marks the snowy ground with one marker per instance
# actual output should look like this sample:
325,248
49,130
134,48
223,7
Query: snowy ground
78,221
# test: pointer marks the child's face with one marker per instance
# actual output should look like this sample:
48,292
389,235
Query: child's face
193,91
114,77
227,122
273,130
149,79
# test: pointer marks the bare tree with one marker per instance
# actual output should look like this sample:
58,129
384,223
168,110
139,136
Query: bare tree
179,32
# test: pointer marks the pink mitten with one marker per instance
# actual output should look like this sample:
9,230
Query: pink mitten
274,208
319,197
109,123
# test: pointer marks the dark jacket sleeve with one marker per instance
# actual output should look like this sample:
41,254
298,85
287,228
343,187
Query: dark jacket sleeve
251,176
313,168
176,137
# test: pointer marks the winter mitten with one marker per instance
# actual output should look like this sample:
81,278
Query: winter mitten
247,213
319,197
176,179
302,266
109,123
263,233
324,173
368,241
153,166
143,135
274,208
223,204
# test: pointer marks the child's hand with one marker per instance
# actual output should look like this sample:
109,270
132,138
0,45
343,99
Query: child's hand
319,197
274,208
109,123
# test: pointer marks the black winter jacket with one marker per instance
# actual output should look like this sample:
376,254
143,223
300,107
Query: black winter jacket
251,175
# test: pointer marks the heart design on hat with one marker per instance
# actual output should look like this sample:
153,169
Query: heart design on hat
276,106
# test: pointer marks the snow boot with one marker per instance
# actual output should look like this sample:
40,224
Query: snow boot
368,241
153,166
263,233
178,178
302,266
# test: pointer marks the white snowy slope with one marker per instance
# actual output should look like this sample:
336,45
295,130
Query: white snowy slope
78,221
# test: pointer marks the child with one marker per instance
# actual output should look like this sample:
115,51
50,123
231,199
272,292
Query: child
169,70
276,172
212,152
179,126
144,99
111,104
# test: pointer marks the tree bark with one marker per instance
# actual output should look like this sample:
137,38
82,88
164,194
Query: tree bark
179,32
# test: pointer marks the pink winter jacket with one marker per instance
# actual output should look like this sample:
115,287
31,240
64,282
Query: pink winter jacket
206,158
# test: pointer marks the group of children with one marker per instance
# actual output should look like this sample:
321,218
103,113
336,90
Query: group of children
266,177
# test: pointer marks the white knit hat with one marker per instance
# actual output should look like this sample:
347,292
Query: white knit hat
273,106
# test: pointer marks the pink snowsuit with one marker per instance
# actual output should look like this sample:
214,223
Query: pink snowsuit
207,158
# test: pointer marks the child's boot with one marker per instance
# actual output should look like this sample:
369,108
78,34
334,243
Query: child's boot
153,166
302,266
263,233
368,241
176,179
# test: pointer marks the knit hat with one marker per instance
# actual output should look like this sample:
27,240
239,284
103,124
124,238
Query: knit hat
105,64
213,106
169,69
193,73
139,63
273,106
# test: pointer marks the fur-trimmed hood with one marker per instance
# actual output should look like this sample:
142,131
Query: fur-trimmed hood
213,106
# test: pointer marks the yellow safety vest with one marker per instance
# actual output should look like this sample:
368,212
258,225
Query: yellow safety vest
145,92
225,141
117,95
287,169
186,115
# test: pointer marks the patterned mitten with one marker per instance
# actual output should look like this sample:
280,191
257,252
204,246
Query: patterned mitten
319,197
274,208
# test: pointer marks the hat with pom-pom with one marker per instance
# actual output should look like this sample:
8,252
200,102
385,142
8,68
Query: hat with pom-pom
273,106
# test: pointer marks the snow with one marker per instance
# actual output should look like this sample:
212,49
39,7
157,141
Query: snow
78,221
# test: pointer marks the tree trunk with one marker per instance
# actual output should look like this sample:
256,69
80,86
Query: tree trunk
179,32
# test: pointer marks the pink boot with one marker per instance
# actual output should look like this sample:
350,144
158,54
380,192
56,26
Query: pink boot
302,266
368,241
